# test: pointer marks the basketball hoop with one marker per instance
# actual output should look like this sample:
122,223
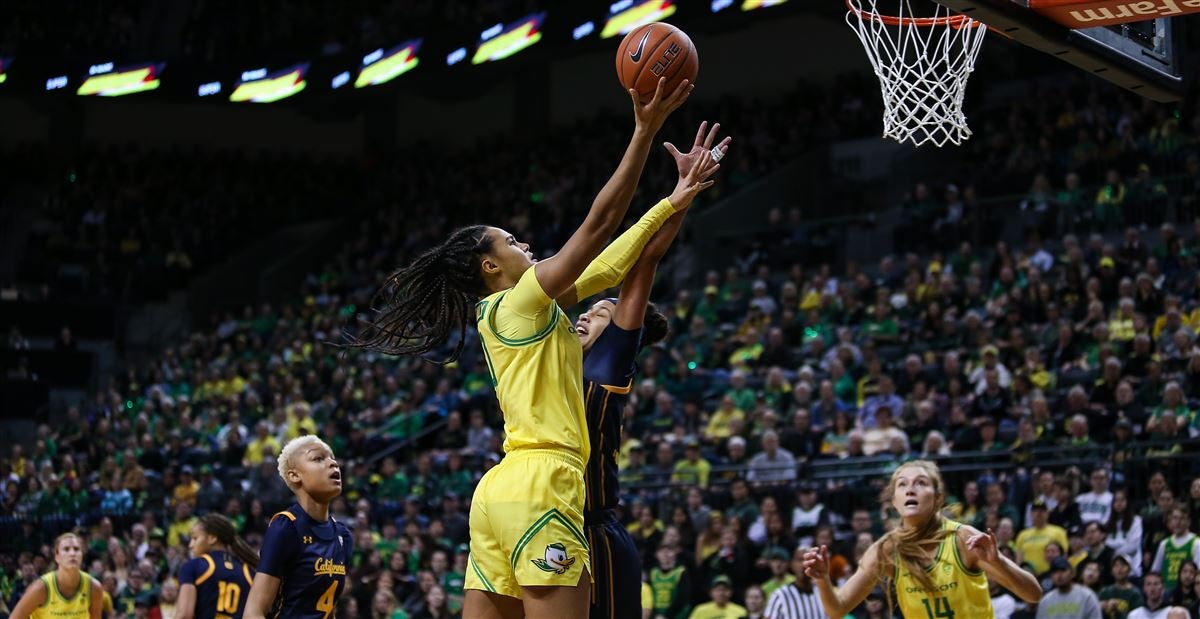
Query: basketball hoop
922,64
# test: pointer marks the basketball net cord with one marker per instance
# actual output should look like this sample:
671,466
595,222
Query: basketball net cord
923,64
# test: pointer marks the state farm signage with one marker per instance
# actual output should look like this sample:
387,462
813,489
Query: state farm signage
1076,14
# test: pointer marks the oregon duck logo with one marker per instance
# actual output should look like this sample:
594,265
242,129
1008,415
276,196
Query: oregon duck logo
556,560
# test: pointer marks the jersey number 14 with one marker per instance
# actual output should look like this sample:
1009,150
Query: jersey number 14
940,609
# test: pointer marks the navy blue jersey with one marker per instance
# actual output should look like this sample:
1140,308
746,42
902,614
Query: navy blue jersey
608,369
222,584
310,558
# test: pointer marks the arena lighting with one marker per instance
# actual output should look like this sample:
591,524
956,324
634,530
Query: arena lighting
456,56
106,82
750,5
508,40
211,88
4,63
341,79
721,5
381,67
258,87
583,30
56,83
626,15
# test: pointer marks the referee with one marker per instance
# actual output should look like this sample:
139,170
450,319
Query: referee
797,600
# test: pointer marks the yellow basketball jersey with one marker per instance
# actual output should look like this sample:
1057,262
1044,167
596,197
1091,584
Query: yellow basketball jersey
59,607
958,592
537,367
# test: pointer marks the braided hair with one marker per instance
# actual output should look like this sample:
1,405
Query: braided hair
421,304
225,532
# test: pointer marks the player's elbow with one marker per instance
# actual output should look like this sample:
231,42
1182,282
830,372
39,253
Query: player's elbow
834,612
1031,593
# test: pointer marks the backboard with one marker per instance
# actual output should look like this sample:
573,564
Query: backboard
1131,43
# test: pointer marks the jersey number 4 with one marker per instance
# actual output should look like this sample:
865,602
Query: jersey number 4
326,602
228,594
940,609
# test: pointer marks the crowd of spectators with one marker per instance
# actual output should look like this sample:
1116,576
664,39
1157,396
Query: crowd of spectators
1064,375
1093,159
135,223
768,375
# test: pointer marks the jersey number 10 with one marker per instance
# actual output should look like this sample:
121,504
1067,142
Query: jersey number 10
940,609
228,594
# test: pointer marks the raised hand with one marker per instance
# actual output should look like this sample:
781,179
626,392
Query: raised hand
695,181
653,114
816,563
984,546
703,143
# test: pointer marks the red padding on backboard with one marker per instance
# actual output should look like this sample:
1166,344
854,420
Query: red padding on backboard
1089,14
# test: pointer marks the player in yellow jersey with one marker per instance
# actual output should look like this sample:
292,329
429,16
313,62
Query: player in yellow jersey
938,568
529,556
66,593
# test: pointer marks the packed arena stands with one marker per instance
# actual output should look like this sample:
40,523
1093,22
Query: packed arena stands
1056,379
135,223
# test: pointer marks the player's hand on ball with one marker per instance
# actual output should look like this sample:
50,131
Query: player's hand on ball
703,143
654,113
694,182
984,546
816,563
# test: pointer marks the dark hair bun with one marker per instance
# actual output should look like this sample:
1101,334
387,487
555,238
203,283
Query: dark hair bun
654,326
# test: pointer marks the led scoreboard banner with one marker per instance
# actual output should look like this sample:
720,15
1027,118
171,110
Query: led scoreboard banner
750,5
339,72
625,15
499,41
258,87
104,81
380,67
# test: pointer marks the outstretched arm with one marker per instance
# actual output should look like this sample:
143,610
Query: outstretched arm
631,311
839,601
982,551
557,274
611,267
635,293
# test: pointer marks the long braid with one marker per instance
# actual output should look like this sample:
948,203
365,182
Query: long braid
421,304
223,529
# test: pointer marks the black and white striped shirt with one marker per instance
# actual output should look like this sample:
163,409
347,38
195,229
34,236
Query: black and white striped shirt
791,603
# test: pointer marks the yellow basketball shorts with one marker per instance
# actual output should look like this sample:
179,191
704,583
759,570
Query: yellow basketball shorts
527,523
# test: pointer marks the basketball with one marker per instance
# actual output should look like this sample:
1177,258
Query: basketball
652,51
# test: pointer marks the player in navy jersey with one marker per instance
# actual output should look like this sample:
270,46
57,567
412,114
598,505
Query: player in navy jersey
305,552
215,583
612,332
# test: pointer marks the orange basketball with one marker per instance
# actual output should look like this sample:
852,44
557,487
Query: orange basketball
656,50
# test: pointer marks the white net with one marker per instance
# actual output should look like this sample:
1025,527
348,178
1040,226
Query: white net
922,63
